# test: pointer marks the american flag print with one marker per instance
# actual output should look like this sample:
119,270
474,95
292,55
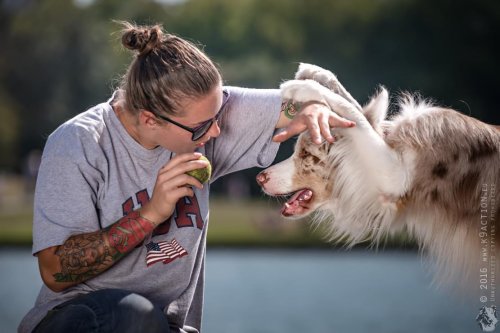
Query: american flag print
165,252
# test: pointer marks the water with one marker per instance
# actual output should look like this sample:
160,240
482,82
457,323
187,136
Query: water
291,291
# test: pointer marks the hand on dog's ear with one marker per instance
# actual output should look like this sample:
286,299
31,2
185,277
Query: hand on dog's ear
376,110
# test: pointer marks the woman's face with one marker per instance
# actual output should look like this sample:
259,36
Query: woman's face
195,111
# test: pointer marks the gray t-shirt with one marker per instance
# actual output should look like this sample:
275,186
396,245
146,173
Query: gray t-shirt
93,173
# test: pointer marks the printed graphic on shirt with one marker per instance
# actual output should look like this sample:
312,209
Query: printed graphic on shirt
165,252
142,198
186,214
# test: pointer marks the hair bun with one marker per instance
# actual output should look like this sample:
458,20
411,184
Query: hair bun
141,38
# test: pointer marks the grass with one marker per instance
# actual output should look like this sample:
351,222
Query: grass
256,223
232,223
15,227
249,223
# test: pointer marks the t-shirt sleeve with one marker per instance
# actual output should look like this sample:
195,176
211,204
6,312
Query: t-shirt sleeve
247,126
65,195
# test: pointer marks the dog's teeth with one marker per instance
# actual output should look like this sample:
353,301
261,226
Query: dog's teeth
306,195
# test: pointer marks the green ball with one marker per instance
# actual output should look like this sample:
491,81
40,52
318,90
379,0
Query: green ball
203,174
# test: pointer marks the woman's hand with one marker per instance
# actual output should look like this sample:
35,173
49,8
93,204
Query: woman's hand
172,184
318,119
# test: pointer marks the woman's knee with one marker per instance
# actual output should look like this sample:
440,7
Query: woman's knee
137,304
135,313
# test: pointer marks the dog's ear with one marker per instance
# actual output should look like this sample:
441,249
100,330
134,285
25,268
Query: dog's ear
376,110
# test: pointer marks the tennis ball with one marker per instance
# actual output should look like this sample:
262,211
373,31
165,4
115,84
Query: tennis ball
203,174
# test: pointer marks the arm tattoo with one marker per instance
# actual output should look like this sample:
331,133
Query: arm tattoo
290,109
129,232
87,255
82,257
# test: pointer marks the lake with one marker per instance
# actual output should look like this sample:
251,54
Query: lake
275,291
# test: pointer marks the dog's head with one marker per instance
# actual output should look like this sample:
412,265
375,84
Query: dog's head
309,179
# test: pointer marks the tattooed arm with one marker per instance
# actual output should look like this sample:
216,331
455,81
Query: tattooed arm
84,256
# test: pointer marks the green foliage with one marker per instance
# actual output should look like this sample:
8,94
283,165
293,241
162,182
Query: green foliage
57,58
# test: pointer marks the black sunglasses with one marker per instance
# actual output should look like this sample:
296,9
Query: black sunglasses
202,129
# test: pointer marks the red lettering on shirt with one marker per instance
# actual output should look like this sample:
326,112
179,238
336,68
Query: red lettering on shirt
186,213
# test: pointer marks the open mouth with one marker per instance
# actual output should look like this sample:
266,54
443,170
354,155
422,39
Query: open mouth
298,203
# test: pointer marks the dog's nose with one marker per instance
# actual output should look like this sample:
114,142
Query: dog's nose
261,178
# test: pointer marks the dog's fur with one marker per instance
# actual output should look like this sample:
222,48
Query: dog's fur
429,170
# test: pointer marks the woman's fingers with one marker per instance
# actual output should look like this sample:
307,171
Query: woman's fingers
294,128
317,119
314,130
180,159
177,176
337,121
179,181
324,126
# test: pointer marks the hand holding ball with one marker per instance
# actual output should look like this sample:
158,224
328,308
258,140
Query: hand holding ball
203,174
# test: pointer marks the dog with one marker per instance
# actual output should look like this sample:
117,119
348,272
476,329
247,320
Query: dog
427,170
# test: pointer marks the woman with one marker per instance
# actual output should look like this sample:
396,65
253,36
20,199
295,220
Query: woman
119,227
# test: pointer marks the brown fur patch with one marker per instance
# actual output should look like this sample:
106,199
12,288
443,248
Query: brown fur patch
435,195
482,149
440,170
303,153
467,184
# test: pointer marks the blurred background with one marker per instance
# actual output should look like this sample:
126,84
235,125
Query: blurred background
57,58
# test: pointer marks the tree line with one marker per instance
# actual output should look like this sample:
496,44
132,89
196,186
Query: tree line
57,58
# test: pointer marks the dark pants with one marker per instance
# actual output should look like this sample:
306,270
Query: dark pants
108,310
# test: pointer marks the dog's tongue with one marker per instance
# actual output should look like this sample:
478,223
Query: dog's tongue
297,203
